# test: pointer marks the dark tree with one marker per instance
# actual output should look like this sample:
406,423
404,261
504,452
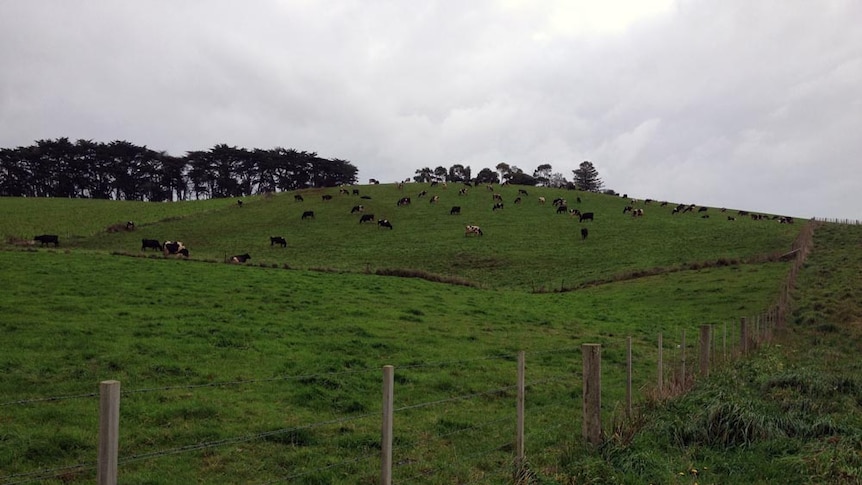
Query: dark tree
487,176
424,175
543,174
587,178
459,173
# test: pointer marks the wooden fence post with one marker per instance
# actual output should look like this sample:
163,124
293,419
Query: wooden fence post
705,345
743,335
629,377
386,429
519,431
109,432
592,393
660,367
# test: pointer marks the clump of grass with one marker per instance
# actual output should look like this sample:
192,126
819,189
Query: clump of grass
425,275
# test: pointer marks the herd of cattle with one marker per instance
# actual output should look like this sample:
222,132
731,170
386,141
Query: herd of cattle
178,249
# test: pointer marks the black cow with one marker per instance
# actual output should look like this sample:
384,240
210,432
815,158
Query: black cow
48,239
357,208
498,205
239,203
584,233
298,198
175,248
403,201
703,209
273,240
326,197
240,258
308,214
366,218
150,243
455,210
562,209
586,216
365,197
522,192
384,223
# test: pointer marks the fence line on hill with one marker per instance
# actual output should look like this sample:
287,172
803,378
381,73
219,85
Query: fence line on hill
509,449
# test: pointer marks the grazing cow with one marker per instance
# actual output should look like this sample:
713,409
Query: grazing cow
522,192
326,197
150,243
422,194
273,240
474,230
343,191
373,181
498,205
586,216
562,209
48,239
455,210
731,218
542,200
298,198
403,201
463,191
384,223
742,213
703,209
435,199
498,197
175,248
130,226
627,208
240,258
357,208
578,200
517,200
785,220
434,183
559,201
307,215
637,212
239,203
355,191
367,197
366,218
584,233
705,216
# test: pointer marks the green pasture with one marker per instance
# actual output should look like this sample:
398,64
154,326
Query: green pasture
271,372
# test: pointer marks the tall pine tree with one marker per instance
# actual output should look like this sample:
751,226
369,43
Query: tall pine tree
587,178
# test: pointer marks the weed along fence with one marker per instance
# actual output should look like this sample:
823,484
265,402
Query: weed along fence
501,418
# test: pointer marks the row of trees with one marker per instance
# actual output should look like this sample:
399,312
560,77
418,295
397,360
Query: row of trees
586,177
123,171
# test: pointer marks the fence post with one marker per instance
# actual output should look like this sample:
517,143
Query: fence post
628,377
386,429
660,367
109,432
519,438
743,335
592,392
705,334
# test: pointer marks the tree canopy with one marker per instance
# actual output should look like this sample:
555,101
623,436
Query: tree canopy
124,171
587,178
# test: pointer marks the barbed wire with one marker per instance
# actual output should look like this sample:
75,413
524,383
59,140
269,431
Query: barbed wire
46,473
49,399
239,439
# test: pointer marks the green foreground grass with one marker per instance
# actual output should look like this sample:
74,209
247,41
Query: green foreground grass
271,373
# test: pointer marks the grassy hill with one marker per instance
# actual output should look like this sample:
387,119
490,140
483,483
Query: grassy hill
257,374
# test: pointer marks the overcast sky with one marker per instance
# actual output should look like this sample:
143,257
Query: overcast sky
741,103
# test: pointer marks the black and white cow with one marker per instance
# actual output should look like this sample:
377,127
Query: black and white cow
384,223
298,198
240,258
48,239
473,230
150,244
357,208
175,248
273,240
366,218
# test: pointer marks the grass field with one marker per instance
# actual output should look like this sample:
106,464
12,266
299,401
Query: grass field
262,374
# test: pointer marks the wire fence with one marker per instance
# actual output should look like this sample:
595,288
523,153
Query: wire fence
447,430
